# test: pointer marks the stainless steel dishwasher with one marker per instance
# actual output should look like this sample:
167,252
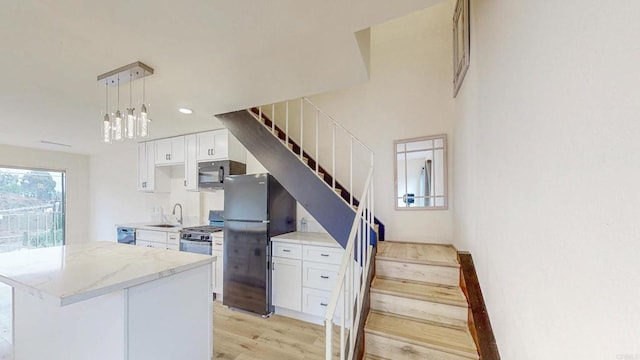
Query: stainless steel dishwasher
127,235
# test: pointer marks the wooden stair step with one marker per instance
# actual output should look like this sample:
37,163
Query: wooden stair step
451,295
402,338
425,273
445,305
418,253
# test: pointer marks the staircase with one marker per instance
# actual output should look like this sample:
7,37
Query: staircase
417,308
332,204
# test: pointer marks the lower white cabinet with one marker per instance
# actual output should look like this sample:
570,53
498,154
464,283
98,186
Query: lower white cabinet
158,239
218,268
286,280
303,277
315,302
152,244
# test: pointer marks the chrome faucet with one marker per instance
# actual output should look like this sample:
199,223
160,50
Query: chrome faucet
174,212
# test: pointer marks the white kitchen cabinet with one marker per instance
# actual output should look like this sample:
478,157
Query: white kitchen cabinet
219,145
158,239
303,277
319,275
218,268
152,244
151,179
190,162
287,283
315,302
170,151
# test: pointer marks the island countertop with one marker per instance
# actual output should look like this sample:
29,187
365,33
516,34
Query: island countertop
64,275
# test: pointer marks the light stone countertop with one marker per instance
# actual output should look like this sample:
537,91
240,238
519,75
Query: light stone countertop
147,226
307,238
63,275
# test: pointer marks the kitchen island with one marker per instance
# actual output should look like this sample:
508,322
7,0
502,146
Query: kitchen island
103,300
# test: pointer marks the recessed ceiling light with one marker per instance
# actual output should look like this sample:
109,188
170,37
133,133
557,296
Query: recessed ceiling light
186,111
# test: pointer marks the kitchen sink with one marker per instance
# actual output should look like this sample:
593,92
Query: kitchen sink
165,226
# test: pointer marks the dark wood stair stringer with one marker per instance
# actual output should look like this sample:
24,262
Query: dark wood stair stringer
327,177
309,190
479,323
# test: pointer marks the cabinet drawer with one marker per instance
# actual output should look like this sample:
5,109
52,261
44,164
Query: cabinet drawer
173,239
217,242
322,254
319,276
155,236
152,244
285,250
315,302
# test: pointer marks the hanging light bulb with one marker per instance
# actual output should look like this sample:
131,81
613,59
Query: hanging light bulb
106,123
143,119
130,122
117,122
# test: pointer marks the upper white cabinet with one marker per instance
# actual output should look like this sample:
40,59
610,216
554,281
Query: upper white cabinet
190,163
219,145
170,151
150,179
185,150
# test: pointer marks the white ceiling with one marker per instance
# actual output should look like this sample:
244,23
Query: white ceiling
211,56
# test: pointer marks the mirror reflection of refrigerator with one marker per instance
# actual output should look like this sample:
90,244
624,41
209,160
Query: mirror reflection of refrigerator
256,207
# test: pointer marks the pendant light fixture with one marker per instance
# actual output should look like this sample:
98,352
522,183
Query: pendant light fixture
106,123
117,122
130,122
114,127
143,119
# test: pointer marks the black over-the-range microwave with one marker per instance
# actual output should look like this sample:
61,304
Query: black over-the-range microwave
211,173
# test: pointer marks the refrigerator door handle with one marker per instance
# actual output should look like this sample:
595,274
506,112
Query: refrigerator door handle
265,221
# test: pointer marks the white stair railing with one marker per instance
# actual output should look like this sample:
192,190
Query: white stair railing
311,122
352,278
354,269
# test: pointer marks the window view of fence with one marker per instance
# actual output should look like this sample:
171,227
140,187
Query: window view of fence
31,209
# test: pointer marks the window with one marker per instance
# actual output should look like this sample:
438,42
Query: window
32,208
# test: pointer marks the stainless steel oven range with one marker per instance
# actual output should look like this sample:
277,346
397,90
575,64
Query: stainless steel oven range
198,239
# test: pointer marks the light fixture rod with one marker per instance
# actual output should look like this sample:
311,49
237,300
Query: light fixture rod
137,70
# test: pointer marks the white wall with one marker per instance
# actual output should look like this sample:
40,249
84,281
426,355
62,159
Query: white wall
409,95
114,196
76,168
547,167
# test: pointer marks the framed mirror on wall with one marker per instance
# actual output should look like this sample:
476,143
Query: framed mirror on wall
421,173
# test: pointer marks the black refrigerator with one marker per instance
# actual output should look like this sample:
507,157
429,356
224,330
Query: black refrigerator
256,207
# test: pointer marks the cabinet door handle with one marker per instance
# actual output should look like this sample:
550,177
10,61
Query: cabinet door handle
169,156
286,250
185,183
324,276
324,304
325,255
209,152
166,156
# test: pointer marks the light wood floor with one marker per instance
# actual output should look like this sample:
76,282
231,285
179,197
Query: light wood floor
241,336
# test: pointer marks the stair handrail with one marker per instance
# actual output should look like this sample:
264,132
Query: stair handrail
321,115
353,274
356,261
